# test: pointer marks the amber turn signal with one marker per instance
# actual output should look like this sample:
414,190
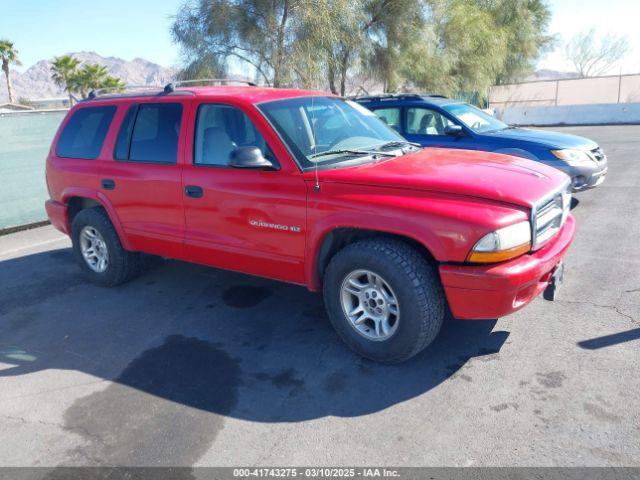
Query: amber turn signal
499,256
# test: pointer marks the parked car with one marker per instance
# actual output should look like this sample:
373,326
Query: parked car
437,121
313,190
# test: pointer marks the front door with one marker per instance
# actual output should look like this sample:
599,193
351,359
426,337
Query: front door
247,220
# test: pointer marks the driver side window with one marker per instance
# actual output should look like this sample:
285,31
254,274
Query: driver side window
424,121
220,129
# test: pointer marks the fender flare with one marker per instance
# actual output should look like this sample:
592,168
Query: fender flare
102,199
318,236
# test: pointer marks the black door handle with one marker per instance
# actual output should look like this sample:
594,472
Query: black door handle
108,184
193,191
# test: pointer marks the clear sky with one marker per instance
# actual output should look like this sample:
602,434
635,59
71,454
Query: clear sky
140,28
619,17
121,28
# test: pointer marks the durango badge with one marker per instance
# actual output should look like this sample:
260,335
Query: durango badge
274,226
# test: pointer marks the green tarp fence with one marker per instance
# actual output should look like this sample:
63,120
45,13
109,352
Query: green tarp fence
25,139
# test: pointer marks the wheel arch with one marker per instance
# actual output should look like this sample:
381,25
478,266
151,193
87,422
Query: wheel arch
334,240
80,199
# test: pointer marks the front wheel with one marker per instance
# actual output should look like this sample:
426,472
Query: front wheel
384,299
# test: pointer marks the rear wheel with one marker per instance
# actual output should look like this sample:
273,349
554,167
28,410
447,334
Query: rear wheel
98,250
384,299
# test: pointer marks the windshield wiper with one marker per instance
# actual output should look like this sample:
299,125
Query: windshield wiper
352,152
398,143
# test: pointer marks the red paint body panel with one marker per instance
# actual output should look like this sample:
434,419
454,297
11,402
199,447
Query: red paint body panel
442,199
492,291
58,216
472,173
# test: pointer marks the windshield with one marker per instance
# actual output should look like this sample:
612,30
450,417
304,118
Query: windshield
322,130
474,118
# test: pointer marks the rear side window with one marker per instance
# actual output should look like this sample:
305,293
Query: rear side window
149,133
84,133
390,116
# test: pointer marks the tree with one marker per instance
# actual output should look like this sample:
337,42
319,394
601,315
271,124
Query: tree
63,72
594,55
523,25
8,56
69,75
391,29
330,36
468,46
442,45
258,32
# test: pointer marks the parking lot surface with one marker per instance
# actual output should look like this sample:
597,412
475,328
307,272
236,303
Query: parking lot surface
188,365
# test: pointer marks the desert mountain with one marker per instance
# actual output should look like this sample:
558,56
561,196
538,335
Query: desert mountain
35,82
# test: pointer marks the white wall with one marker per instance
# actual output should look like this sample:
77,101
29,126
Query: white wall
578,91
596,114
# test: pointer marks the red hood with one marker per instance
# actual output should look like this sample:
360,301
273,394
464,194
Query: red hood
464,172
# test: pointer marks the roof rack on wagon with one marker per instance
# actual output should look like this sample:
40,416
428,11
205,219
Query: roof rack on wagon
395,96
168,89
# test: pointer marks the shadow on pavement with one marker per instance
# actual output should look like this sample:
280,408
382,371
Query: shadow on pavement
609,340
217,342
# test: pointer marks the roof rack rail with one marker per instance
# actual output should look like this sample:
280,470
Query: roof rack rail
220,81
128,90
384,96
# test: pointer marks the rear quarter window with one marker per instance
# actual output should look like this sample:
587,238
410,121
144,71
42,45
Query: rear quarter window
84,133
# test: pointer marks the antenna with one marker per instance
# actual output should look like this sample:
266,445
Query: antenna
315,144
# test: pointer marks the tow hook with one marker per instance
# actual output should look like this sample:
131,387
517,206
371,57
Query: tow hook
551,292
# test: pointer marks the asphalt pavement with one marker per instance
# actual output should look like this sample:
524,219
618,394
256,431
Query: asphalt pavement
188,365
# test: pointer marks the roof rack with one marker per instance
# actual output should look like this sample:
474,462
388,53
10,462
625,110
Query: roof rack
389,96
169,88
130,91
212,81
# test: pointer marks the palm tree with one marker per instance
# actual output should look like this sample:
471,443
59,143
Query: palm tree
63,70
90,77
113,84
8,55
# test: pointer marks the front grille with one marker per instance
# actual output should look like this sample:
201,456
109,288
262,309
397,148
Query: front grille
598,154
549,216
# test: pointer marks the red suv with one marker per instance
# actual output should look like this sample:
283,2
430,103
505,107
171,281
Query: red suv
309,189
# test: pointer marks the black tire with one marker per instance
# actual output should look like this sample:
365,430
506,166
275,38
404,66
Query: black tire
413,280
122,264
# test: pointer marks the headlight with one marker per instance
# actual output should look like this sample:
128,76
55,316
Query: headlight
502,244
573,157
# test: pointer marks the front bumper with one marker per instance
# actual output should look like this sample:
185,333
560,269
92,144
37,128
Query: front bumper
584,177
493,291
57,213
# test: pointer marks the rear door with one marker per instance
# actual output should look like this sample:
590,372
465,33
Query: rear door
143,180
81,148
426,126
247,220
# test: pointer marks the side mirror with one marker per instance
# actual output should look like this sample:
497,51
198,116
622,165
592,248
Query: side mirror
250,157
453,130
